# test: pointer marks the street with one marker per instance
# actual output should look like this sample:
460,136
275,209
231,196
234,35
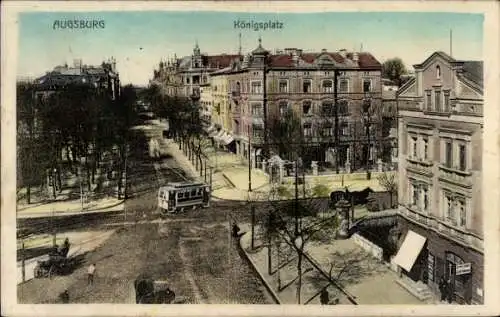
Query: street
193,251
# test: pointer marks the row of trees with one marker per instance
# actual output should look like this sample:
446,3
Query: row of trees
184,122
81,121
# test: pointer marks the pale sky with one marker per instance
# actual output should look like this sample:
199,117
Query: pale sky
138,40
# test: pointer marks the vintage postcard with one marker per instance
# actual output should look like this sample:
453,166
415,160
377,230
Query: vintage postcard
250,158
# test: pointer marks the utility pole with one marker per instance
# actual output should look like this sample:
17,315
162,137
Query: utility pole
249,161
368,143
336,109
264,87
23,268
252,245
296,197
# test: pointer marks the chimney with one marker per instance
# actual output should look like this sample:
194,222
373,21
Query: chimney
246,60
355,57
323,50
343,53
295,58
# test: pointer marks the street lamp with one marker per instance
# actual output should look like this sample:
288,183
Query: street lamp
367,102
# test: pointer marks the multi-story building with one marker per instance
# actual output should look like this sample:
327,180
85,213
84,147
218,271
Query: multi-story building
206,102
440,145
104,78
221,110
316,86
183,77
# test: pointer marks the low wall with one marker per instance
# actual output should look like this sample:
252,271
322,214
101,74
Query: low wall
335,177
368,246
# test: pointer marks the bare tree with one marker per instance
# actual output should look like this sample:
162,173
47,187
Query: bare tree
389,182
293,220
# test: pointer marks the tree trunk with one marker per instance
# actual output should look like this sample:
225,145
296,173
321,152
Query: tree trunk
269,257
278,248
28,193
201,165
299,272
59,177
68,158
87,168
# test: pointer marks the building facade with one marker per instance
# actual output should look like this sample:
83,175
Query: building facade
206,102
440,165
104,78
184,76
327,91
222,123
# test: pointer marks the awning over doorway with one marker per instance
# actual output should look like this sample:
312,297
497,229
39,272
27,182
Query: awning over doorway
227,138
409,251
219,135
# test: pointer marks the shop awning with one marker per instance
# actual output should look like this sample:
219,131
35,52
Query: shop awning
219,136
409,251
228,138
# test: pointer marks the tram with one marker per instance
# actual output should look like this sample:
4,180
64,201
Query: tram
179,196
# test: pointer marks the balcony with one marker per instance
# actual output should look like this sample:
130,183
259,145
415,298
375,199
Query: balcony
455,176
419,166
195,94
443,227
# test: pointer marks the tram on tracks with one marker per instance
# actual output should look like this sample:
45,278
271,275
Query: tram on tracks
179,196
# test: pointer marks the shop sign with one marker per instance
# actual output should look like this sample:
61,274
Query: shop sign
463,268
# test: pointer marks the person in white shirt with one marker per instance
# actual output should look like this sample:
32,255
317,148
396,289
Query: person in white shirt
91,272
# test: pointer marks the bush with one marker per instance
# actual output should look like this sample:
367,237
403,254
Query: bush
372,204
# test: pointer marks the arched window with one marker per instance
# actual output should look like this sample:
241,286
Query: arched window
438,72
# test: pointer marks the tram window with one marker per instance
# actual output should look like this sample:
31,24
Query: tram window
171,194
193,192
200,191
181,195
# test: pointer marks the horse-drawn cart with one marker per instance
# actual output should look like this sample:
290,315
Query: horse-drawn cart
58,263
55,265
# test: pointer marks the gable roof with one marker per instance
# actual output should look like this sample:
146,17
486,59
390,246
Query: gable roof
441,54
473,71
365,60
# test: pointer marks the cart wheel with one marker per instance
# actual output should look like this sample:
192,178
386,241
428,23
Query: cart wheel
51,271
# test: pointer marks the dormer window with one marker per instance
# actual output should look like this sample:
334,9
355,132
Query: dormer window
438,72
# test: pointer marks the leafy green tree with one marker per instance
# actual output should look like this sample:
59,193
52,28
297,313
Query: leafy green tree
26,138
393,69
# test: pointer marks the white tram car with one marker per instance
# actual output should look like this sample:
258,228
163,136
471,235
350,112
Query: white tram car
182,195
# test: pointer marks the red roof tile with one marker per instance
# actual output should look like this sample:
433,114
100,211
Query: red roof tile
220,61
365,60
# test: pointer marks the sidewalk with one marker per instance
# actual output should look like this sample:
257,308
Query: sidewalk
229,179
69,207
364,277
81,242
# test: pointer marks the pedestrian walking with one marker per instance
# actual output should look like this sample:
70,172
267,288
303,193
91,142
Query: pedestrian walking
64,296
91,273
442,288
324,297
236,230
449,291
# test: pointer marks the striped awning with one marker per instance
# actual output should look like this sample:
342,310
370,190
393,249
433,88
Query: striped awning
409,251
227,138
